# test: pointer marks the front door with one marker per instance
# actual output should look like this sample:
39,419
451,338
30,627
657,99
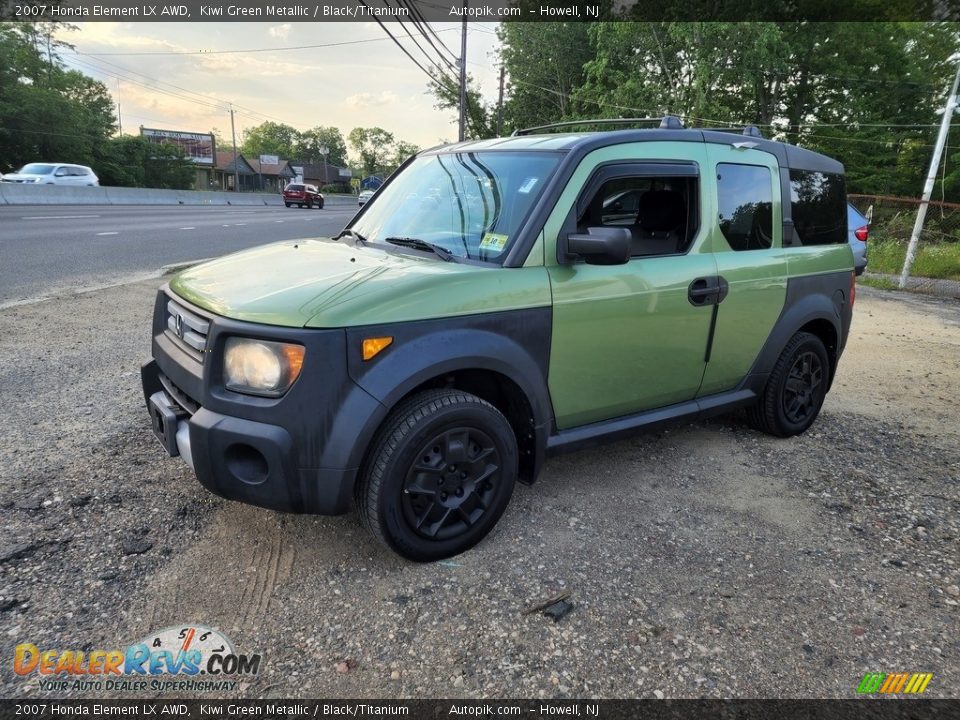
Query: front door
633,337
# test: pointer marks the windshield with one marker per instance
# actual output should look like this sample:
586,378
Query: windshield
470,204
36,169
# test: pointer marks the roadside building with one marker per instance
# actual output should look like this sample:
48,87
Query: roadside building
226,169
271,177
321,174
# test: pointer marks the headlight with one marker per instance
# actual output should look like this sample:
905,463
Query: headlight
261,367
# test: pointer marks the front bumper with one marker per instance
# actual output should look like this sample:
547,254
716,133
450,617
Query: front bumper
242,459
298,453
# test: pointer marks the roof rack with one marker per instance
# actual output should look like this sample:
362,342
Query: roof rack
667,122
599,121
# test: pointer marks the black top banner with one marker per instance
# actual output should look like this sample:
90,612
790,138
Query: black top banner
478,10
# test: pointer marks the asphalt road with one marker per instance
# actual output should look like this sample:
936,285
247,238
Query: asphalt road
49,250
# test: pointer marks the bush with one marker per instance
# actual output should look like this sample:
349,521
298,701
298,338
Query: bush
343,188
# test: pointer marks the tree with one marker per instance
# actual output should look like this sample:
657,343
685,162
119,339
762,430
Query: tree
373,147
310,142
270,138
481,121
401,151
134,161
544,64
46,111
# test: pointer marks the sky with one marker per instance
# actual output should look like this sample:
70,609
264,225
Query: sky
365,84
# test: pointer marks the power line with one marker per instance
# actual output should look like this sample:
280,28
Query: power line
284,48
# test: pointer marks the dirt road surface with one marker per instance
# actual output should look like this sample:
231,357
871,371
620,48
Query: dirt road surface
706,560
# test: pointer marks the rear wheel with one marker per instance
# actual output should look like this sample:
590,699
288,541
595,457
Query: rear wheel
439,475
795,390
288,204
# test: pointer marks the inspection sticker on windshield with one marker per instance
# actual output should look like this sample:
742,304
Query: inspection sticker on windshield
493,241
528,185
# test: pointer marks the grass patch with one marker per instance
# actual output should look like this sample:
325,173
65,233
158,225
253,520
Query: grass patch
881,283
941,260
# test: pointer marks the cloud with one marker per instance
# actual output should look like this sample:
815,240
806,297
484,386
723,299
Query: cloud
364,100
280,31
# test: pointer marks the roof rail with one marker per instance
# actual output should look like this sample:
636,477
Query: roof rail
667,122
599,121
749,131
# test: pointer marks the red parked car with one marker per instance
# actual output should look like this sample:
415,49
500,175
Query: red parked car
299,194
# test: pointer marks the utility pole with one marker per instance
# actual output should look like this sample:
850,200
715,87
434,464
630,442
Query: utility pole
500,103
236,170
931,178
119,118
463,74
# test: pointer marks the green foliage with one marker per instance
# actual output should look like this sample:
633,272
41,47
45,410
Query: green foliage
933,260
132,161
373,146
310,143
47,112
867,93
270,138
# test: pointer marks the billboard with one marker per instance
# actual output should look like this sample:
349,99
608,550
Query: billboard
269,159
197,147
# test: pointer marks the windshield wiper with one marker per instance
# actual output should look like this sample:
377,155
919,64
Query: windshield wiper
356,236
418,244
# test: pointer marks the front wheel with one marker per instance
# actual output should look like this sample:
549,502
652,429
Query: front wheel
438,476
320,205
795,390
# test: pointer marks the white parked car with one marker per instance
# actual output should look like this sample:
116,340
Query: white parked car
364,196
53,174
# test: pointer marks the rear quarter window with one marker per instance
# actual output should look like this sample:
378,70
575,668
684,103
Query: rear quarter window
819,207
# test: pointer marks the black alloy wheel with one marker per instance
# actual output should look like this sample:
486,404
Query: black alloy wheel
795,390
802,387
450,485
438,476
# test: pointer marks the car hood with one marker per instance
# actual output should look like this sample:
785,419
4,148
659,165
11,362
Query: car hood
326,283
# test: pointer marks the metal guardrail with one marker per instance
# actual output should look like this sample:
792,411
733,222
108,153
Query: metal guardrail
21,194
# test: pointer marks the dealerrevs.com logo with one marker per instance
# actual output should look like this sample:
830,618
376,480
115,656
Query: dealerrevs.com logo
185,657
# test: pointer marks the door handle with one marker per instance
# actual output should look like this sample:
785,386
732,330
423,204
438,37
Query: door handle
703,291
708,290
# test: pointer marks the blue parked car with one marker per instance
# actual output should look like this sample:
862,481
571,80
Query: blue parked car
858,226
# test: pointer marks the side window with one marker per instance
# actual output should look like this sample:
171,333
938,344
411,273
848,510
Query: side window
819,207
745,202
659,212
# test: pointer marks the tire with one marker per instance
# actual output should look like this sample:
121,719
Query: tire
309,205
320,205
795,390
418,448
288,204
300,205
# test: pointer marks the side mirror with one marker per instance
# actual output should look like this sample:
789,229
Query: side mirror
600,245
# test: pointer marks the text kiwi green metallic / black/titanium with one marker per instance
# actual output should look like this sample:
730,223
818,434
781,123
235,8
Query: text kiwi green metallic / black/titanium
521,296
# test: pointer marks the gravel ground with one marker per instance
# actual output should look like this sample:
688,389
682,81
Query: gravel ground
703,561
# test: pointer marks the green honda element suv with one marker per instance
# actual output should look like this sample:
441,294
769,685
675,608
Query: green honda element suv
500,301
